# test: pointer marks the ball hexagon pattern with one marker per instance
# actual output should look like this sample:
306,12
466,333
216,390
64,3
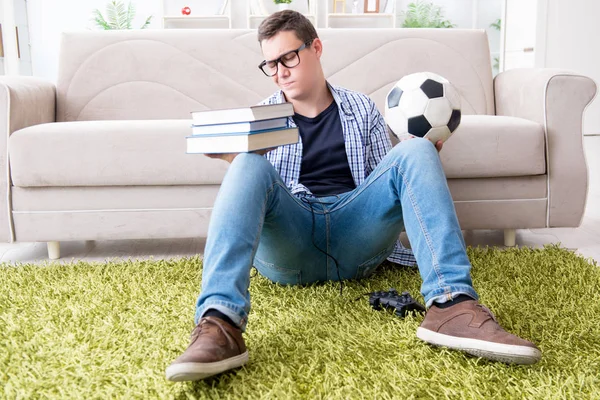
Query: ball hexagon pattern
423,104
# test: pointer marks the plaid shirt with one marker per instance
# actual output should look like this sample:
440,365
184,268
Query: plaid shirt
366,139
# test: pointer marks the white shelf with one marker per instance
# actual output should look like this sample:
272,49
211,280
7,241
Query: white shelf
197,22
206,14
368,20
255,20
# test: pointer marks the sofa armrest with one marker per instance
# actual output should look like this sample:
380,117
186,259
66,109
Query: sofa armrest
556,99
24,101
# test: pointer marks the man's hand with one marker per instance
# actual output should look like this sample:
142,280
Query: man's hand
229,157
438,145
224,156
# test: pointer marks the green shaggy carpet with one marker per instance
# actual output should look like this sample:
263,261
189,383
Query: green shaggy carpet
108,330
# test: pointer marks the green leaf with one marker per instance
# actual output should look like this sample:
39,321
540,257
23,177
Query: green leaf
121,15
496,24
147,22
130,14
111,13
118,16
98,18
422,14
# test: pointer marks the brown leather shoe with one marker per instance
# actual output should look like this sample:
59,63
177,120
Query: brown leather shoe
470,327
215,347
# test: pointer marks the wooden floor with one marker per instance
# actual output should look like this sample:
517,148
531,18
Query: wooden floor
585,239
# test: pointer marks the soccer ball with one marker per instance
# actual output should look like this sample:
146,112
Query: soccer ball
425,105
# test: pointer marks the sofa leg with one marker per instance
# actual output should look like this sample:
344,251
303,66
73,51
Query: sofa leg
510,237
54,250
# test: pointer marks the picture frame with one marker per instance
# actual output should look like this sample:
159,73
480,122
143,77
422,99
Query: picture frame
371,6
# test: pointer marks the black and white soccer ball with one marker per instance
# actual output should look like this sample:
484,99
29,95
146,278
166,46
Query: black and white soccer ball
423,104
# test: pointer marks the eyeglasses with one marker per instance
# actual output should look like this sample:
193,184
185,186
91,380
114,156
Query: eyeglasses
290,59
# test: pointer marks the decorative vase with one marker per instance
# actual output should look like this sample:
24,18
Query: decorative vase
283,6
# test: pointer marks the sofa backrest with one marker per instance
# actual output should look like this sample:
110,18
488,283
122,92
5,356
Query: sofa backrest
163,74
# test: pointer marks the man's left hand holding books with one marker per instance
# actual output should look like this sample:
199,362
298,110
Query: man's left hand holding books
230,156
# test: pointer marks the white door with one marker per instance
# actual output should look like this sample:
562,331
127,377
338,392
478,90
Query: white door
520,28
15,53
22,37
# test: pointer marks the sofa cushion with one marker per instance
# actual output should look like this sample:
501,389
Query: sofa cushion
107,153
114,153
485,146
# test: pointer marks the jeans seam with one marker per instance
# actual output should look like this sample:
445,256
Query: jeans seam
417,211
232,306
264,214
236,310
267,264
451,290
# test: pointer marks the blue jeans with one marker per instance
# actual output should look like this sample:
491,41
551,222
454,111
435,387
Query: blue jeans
257,221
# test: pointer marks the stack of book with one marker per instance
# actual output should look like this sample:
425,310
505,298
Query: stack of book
241,130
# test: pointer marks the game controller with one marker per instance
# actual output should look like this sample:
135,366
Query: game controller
403,303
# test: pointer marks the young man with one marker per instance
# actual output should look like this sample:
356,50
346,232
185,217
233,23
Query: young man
331,208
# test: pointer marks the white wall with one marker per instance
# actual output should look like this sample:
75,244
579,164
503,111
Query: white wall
48,18
572,42
469,14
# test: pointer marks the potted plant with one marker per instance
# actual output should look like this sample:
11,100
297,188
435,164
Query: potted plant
283,4
423,14
117,16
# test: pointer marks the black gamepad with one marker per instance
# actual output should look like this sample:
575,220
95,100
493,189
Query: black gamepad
403,302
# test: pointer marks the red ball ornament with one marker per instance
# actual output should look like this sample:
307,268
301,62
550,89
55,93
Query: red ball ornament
186,11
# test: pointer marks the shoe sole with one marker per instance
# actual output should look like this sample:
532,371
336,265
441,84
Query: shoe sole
506,353
197,371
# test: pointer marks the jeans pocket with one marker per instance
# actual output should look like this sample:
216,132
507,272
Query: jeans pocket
284,276
368,267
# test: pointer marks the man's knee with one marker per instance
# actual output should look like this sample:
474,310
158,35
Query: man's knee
251,166
247,170
413,149
414,145
250,161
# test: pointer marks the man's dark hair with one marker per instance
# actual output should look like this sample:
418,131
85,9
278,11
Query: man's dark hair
287,20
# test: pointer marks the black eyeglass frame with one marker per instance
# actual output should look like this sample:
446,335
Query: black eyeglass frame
280,59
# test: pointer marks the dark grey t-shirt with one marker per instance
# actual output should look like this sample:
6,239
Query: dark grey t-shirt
325,170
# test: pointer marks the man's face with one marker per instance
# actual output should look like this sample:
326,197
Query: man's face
295,81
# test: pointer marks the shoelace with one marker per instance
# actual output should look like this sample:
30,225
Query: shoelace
198,329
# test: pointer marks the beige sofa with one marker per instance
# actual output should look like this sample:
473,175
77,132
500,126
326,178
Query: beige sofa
101,153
